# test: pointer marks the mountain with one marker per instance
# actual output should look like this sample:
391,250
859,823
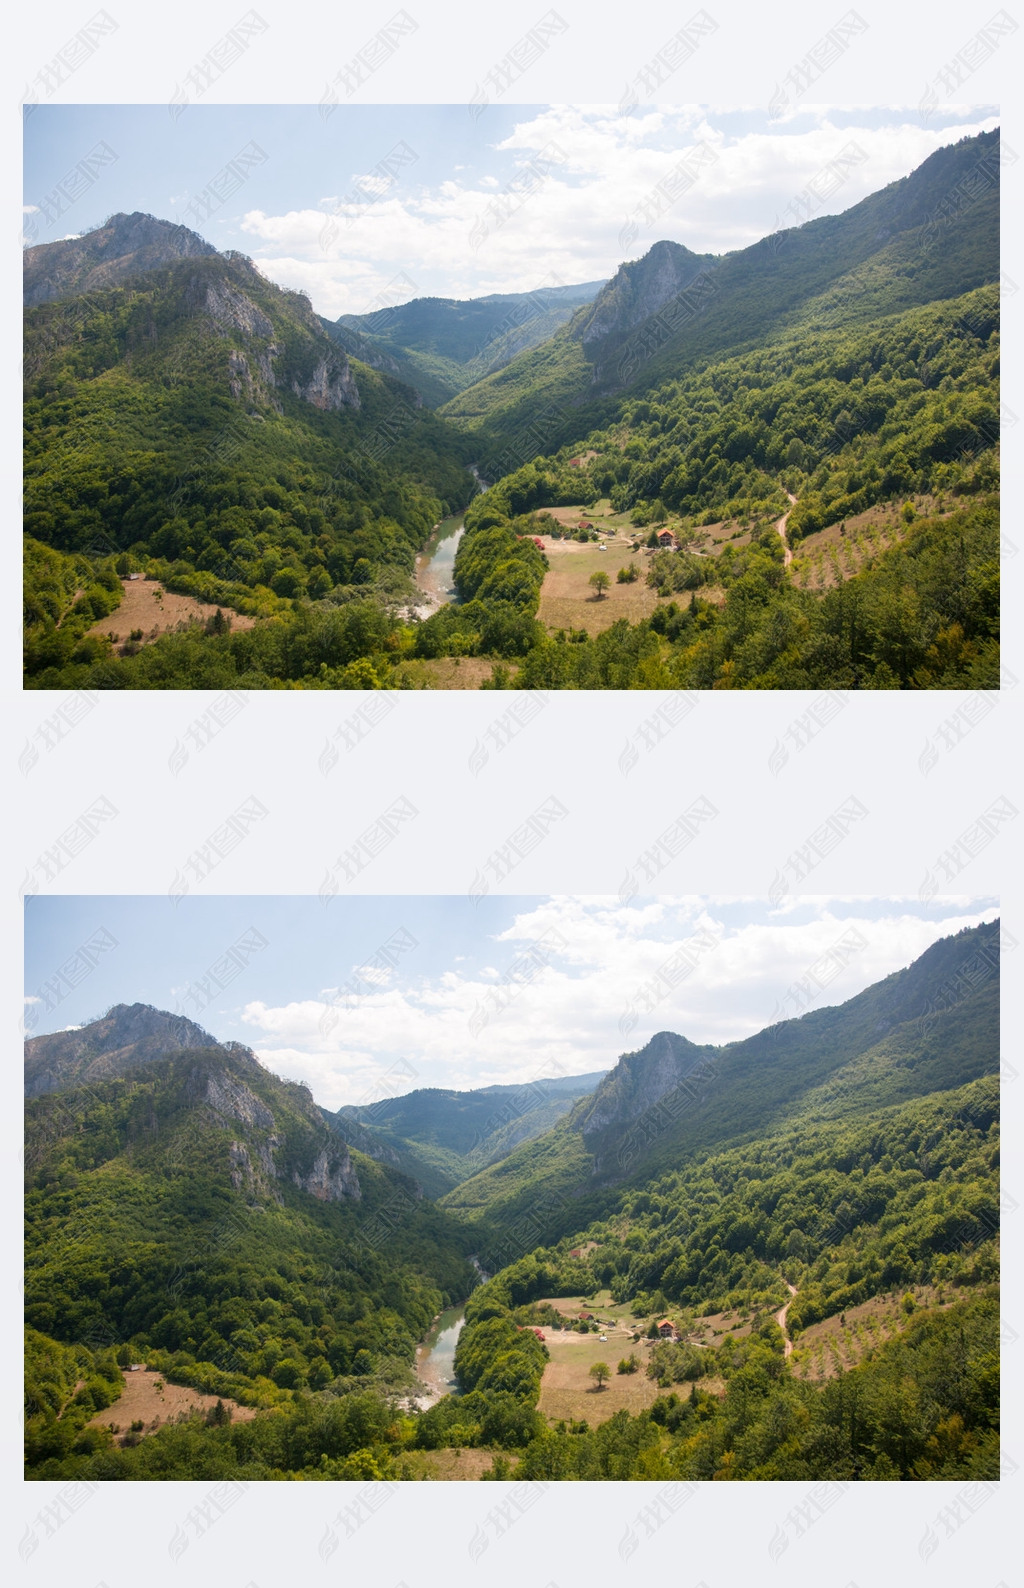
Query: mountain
277,1131
441,1137
795,1234
125,1037
929,1028
929,236
182,1198
442,345
804,434
196,424
639,289
124,246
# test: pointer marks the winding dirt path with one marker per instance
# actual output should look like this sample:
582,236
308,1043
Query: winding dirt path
780,1316
780,525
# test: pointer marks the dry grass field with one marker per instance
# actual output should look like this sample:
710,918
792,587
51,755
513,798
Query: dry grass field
149,1399
567,600
146,605
450,672
450,1465
567,1390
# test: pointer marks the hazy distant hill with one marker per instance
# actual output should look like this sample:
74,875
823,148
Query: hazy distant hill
442,345
442,1137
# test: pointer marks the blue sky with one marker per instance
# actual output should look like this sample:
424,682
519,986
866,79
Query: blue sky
327,205
389,993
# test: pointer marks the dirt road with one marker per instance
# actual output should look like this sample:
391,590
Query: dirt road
780,525
780,1317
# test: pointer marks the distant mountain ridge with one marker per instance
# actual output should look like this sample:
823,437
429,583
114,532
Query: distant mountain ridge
442,345
441,1137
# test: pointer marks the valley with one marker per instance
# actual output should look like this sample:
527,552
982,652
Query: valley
769,1259
818,413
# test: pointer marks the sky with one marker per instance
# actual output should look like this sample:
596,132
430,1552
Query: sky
375,204
371,997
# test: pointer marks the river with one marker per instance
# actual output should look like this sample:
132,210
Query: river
435,564
435,1357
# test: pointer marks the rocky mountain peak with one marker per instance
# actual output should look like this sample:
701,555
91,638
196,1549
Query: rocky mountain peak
638,1083
127,1035
638,289
123,246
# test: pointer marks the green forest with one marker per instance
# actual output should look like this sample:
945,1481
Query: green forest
143,455
903,410
142,1244
907,1197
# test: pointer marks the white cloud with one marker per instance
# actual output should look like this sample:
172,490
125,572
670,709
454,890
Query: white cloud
604,166
601,963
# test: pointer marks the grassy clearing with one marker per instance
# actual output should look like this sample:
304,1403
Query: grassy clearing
567,1390
567,600
148,1398
449,672
449,1465
146,605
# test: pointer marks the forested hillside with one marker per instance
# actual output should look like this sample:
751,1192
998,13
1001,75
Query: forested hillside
196,425
931,236
829,1215
929,1028
195,1212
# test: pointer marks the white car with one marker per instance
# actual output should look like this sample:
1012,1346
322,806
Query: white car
604,1338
